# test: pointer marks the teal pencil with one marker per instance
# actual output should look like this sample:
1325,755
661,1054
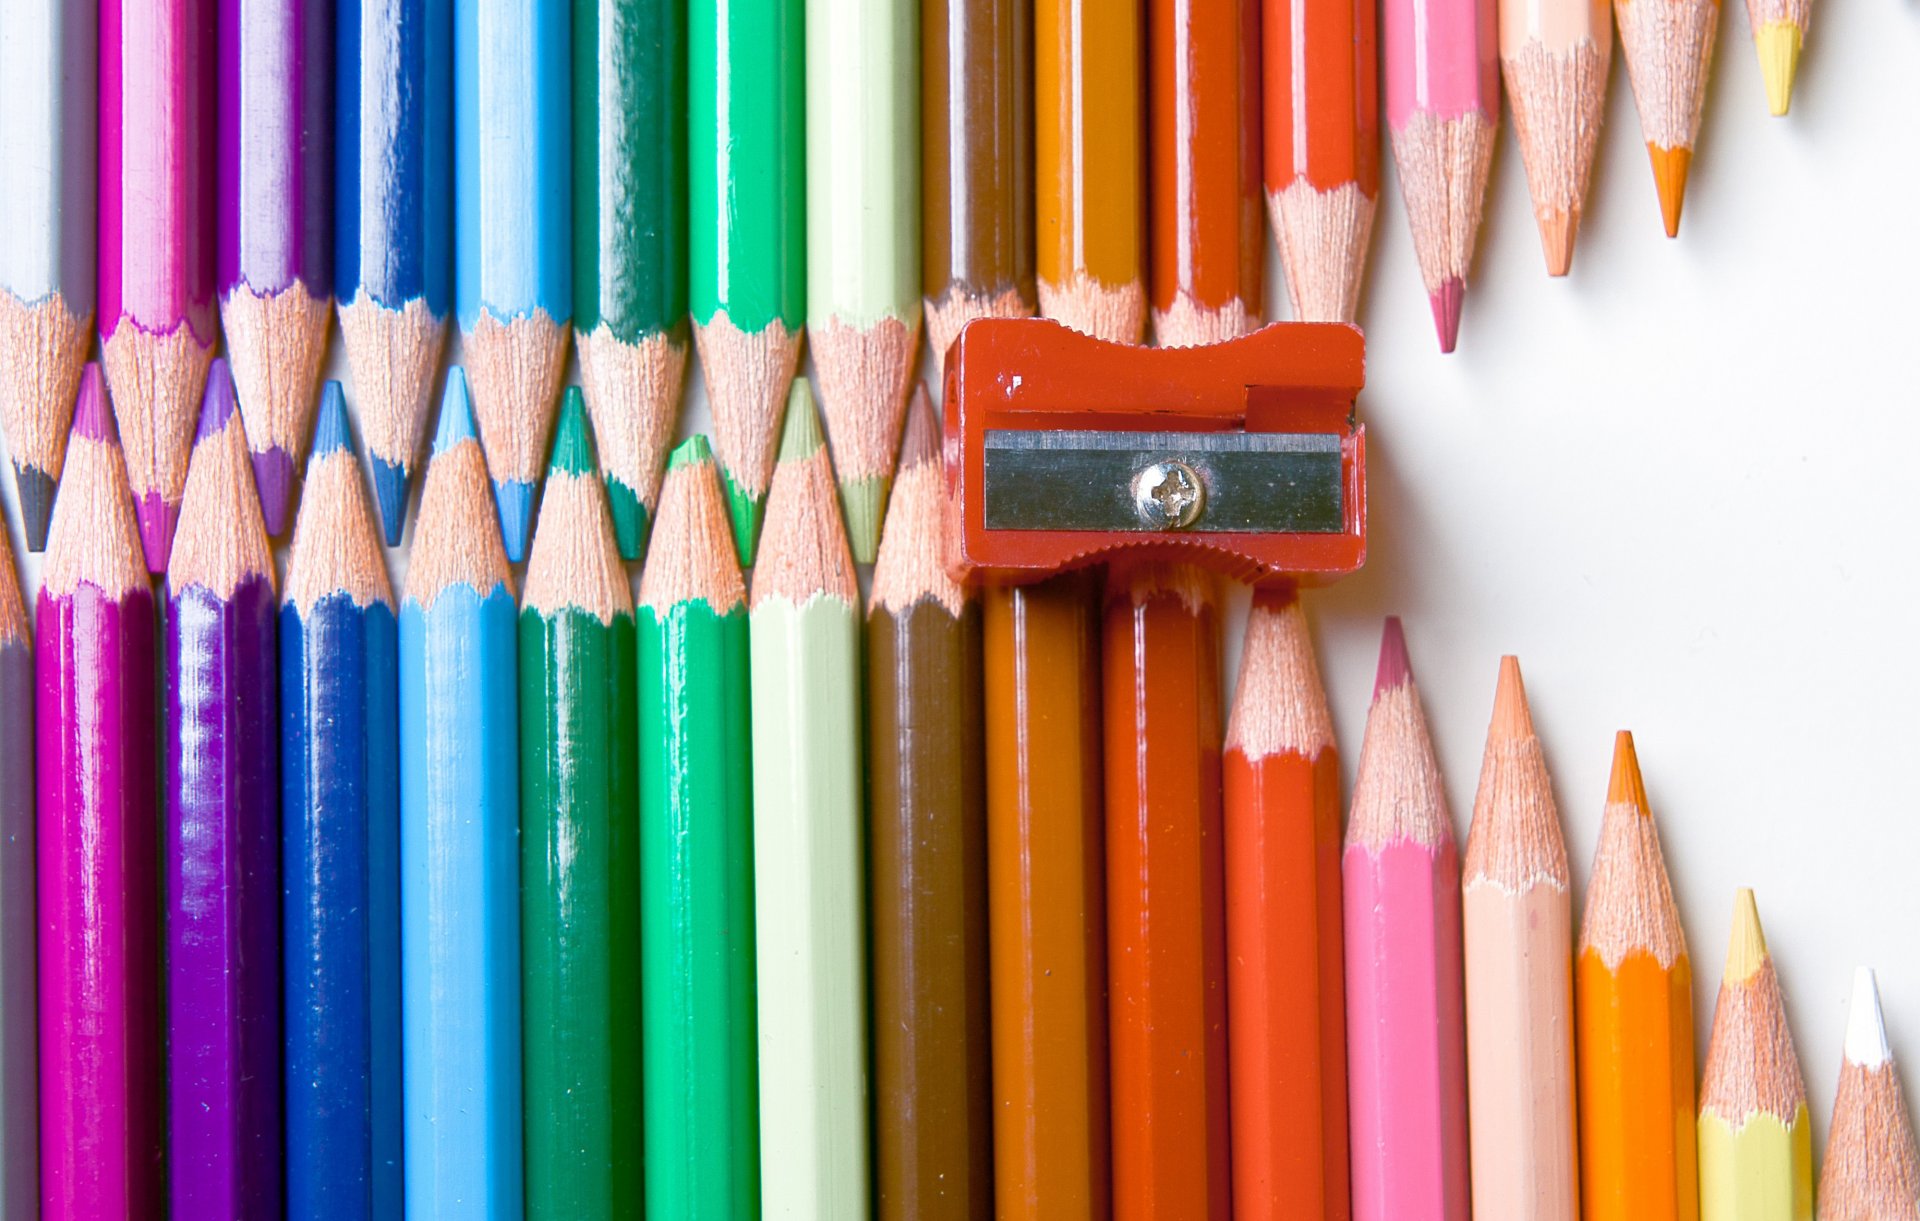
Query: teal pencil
459,849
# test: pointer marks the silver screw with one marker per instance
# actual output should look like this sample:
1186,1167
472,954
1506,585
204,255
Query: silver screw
1168,495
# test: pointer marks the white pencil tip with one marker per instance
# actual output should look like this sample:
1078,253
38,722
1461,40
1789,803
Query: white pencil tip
1866,1029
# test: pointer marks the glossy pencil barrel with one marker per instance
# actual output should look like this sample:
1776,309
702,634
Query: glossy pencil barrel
19,1088
1166,928
1046,900
976,159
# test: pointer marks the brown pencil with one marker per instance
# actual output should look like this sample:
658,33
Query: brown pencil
933,1133
1872,1167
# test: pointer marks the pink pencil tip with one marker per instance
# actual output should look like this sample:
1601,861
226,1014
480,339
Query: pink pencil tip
157,519
1446,312
91,419
1395,669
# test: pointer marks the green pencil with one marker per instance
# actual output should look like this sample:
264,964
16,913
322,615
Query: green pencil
746,175
808,841
580,901
696,858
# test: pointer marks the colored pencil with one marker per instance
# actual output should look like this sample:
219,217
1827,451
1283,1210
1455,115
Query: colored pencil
1322,130
579,856
934,1138
340,845
1166,919
1871,1171
1046,900
513,261
746,212
276,228
222,851
1555,55
696,858
808,840
630,242
1633,1022
393,225
97,748
1668,46
976,162
1286,997
47,235
1089,166
1779,32
156,242
19,1044
1443,110
459,849
1517,928
1209,242
863,240
1756,1140
1405,1045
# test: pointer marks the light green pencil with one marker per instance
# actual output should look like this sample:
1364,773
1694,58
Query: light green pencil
804,632
863,239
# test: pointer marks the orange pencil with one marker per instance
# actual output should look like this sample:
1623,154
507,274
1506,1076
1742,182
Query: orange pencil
1668,46
1872,1169
1166,936
1203,104
1286,996
1089,155
1322,148
1633,1002
1046,941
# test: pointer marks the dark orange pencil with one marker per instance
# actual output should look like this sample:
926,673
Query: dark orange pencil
1166,935
1203,209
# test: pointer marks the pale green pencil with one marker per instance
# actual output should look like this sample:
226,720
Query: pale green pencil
809,926
863,239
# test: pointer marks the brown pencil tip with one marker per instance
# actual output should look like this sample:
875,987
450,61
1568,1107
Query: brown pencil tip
1670,166
1625,786
1512,720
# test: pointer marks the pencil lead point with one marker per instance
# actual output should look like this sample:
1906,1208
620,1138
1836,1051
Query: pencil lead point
1395,670
1446,305
1747,947
390,488
217,403
1778,45
1558,228
91,417
515,500
630,524
330,430
157,520
1866,1043
1512,719
273,480
36,504
573,450
456,413
800,434
744,508
864,501
1670,166
693,451
1625,786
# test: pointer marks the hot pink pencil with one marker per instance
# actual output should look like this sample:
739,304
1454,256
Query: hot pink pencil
1406,1051
1443,107
156,242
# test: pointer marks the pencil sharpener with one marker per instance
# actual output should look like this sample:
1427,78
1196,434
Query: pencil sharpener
1246,456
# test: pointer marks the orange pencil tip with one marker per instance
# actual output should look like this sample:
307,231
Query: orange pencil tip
1625,784
1670,166
1512,720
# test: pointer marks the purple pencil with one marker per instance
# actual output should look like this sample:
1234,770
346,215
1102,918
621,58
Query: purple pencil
99,958
276,238
223,835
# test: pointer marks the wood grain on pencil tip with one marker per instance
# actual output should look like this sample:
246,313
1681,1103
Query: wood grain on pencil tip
1756,1140
1668,46
1633,988
933,1139
1285,987
1555,55
1517,925
1779,32
1871,1170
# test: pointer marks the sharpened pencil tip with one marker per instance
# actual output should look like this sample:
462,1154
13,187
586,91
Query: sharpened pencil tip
515,500
864,503
91,418
1670,166
630,524
744,509
390,488
573,450
1558,228
1395,670
36,504
218,403
1625,785
800,435
1866,1026
456,413
1778,45
1747,947
157,521
1446,305
273,480
1512,719
330,430
693,451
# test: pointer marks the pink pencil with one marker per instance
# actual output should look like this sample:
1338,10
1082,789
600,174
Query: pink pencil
156,242
1406,1051
1443,107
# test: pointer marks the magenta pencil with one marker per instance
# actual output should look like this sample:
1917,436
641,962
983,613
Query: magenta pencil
100,1132
275,234
156,242
1406,1040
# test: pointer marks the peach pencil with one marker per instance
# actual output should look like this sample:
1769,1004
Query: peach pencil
1872,1166
1555,55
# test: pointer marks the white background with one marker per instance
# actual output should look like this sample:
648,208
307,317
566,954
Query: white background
1678,484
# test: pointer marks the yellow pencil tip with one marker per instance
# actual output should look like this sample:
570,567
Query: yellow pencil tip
1670,166
1625,785
1778,44
1747,948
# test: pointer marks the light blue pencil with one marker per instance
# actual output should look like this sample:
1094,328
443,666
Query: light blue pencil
459,855
513,269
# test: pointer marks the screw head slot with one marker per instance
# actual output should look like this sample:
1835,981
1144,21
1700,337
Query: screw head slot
1168,495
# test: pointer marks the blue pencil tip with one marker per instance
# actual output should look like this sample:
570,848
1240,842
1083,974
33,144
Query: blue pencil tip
456,413
390,493
218,404
515,500
330,431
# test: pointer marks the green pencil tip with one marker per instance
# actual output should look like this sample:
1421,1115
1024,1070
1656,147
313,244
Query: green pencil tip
693,451
800,434
864,501
745,510
629,520
573,452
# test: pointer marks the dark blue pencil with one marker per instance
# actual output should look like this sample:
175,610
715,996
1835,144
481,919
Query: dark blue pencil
340,846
